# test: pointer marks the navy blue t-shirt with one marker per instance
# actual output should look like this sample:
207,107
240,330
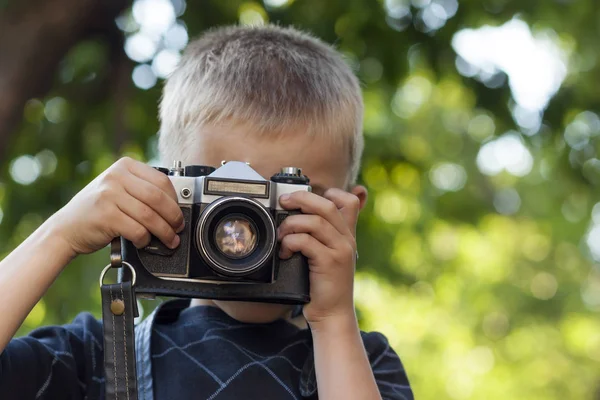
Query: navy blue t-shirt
201,353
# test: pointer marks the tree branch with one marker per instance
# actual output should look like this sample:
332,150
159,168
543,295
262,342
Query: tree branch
34,37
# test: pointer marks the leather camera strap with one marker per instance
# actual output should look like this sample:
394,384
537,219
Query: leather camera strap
118,313
119,308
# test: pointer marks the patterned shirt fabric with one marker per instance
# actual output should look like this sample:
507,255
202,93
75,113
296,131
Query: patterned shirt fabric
197,353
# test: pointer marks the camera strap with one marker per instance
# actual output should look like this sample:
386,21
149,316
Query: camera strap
119,308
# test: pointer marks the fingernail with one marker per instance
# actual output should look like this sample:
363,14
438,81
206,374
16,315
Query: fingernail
175,242
284,197
181,227
278,234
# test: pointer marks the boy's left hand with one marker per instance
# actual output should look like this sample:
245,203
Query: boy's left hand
325,234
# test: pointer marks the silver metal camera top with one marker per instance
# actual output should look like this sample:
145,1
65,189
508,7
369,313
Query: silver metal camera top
223,162
190,190
237,170
177,169
292,171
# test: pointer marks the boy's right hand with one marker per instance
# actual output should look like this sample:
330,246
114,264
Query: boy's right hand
129,199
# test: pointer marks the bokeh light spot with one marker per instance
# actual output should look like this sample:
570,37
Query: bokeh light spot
394,208
508,153
391,207
415,148
252,14
434,16
165,63
481,127
596,213
591,171
507,201
536,247
176,38
56,110
450,7
375,122
371,69
536,65
411,96
375,176
127,23
593,242
443,242
544,286
34,111
140,47
480,360
460,385
47,161
590,291
397,8
448,177
143,76
27,224
179,7
406,177
25,169
577,135
495,325
529,120
153,16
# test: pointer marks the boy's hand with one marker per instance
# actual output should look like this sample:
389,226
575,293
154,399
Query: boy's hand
325,234
129,199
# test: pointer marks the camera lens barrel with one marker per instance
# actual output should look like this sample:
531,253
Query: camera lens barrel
235,236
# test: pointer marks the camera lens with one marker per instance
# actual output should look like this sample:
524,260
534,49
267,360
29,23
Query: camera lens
235,237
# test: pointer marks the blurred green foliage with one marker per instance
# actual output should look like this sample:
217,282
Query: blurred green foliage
481,301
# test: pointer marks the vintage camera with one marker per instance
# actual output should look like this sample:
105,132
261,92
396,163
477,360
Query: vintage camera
229,248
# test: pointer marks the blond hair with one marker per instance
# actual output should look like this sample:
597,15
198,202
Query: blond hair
270,76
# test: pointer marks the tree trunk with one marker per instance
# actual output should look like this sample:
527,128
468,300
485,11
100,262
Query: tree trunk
34,37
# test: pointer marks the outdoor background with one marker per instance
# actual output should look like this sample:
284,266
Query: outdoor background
480,244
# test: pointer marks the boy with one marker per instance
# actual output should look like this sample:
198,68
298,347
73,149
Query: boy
269,96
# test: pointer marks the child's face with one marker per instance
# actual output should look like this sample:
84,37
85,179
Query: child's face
325,165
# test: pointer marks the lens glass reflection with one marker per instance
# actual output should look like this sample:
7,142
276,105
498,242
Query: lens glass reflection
235,237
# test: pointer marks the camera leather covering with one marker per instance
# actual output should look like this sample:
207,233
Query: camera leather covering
290,287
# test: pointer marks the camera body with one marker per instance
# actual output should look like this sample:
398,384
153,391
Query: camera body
228,248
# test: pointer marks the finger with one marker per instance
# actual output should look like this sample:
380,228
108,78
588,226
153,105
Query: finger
149,174
314,225
303,243
156,199
348,205
132,230
310,203
150,219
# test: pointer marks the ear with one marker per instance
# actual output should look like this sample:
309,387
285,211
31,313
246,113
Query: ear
361,192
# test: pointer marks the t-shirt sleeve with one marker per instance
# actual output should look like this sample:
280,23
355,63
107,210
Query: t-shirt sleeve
387,368
54,362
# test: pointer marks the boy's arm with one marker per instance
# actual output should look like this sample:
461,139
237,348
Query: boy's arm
26,274
345,371
341,364
129,199
325,234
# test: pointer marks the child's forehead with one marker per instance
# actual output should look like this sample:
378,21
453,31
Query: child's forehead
325,164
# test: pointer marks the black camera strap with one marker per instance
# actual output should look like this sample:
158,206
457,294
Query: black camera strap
119,308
